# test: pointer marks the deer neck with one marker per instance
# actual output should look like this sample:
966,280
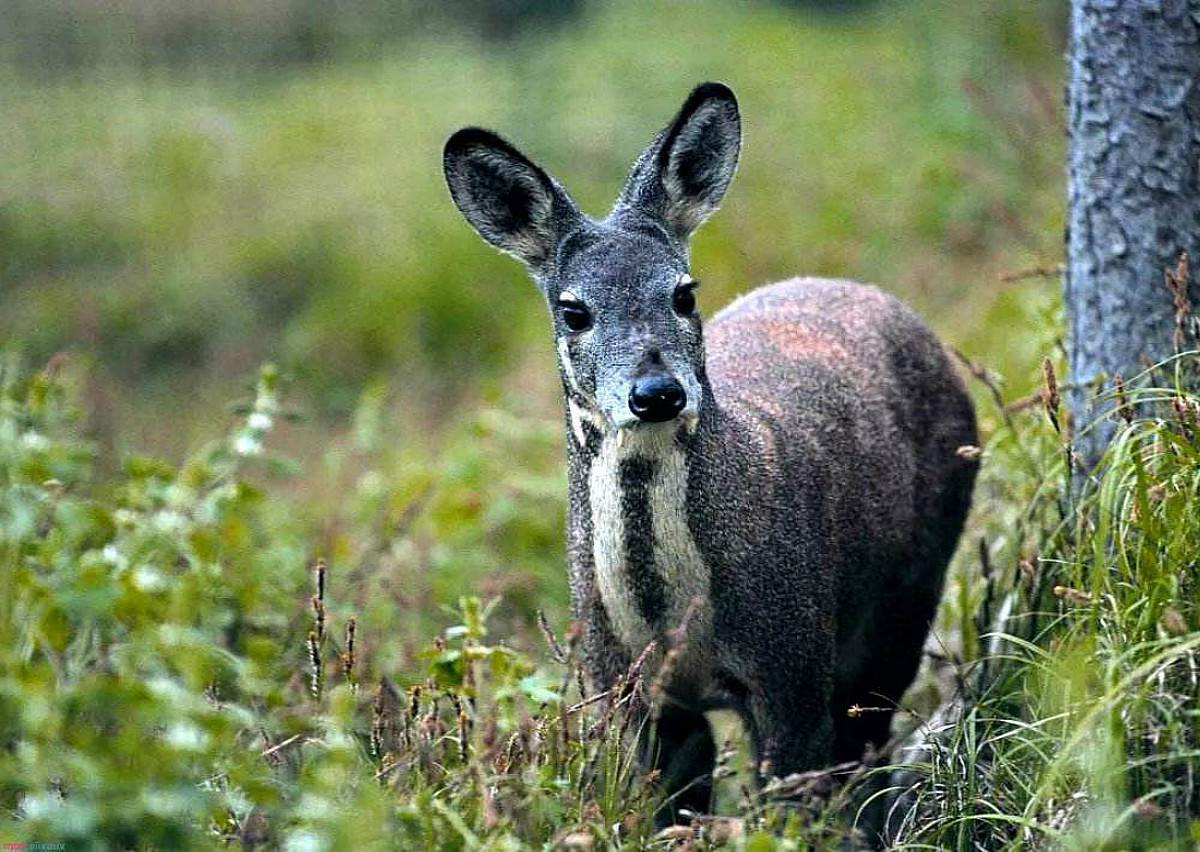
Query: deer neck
632,501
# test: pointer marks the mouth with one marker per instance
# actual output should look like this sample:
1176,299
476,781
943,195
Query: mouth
624,427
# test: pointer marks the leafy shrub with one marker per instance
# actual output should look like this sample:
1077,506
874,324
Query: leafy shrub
175,681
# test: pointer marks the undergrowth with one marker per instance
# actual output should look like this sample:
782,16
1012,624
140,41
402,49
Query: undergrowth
180,673
1077,725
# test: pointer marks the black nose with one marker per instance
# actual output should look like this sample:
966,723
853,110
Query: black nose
656,398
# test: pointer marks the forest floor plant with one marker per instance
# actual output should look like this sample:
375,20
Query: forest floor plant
1078,722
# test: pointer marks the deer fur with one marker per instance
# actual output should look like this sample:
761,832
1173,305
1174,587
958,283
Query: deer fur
798,511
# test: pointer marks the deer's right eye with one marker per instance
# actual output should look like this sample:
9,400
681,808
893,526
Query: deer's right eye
575,314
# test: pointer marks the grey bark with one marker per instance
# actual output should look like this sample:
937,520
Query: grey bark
1133,98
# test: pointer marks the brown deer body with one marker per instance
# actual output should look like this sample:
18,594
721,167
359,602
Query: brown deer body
783,482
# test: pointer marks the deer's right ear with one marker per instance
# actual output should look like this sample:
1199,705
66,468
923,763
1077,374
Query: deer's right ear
512,203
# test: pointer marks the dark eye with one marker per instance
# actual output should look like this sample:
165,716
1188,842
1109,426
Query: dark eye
684,299
575,316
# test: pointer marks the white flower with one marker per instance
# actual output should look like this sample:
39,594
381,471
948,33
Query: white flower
259,421
111,554
304,840
247,445
34,441
148,579
185,736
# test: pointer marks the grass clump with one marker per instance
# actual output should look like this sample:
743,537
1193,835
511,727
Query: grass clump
1078,724
179,679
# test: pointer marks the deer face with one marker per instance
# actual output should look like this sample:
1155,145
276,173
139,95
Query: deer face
628,333
619,290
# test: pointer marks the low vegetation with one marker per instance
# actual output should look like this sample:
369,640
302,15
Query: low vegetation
184,670
174,226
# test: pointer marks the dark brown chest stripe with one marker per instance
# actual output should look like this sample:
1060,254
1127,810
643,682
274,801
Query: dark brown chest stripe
641,571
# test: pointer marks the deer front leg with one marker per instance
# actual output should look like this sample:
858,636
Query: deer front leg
679,745
783,660
789,731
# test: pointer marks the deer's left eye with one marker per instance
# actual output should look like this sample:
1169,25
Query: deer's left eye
683,300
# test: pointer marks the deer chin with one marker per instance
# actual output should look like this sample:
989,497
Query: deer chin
645,439
627,428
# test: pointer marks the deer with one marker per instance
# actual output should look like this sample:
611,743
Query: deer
782,485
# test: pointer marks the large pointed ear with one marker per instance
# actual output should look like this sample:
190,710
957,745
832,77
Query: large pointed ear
512,203
682,175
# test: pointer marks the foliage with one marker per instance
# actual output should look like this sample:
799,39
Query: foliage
170,228
61,38
1079,722
178,677
172,685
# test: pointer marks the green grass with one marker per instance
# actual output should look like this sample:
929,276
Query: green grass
1080,726
158,690
169,228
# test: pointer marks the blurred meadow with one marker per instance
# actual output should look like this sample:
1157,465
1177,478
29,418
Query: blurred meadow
189,191
183,199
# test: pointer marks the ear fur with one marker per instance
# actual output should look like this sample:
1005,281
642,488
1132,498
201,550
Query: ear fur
506,198
681,177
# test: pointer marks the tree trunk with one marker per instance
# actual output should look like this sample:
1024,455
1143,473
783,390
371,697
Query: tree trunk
1133,121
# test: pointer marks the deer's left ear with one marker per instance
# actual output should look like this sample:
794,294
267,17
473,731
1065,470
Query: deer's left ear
681,177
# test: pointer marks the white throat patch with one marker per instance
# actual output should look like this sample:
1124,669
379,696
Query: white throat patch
676,556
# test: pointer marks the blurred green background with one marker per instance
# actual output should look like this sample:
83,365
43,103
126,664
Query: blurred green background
188,189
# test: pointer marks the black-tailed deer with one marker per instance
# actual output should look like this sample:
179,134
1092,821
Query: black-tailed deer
786,478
